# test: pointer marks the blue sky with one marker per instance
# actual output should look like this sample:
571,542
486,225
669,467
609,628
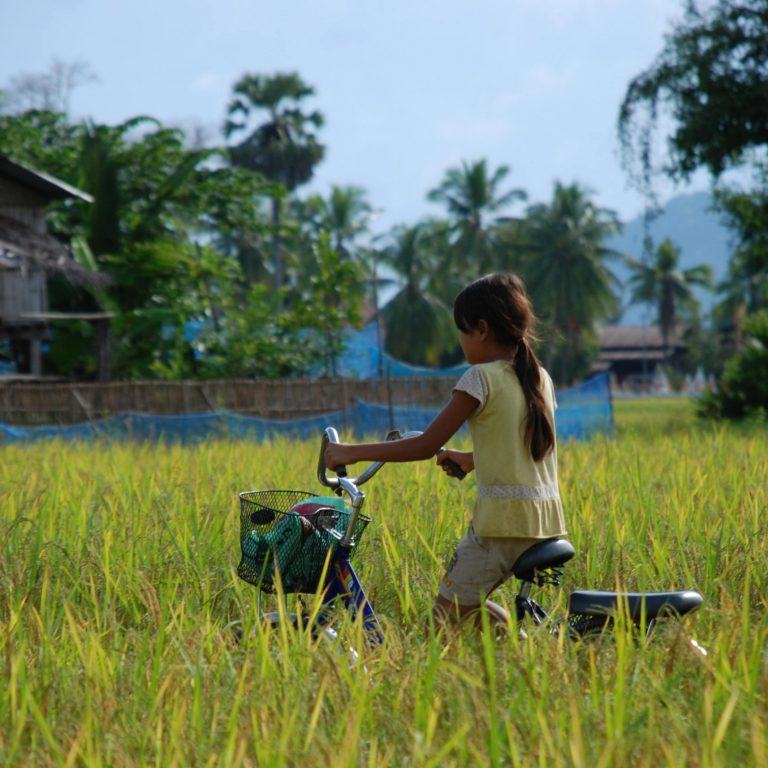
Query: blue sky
408,88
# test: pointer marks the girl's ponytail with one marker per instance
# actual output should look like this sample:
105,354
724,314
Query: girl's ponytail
539,434
500,299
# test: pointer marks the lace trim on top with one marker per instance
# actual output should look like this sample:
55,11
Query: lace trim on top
473,383
519,492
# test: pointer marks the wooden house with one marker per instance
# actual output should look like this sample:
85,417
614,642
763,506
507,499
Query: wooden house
28,255
632,354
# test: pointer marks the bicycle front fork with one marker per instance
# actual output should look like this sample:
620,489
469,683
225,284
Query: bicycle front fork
343,583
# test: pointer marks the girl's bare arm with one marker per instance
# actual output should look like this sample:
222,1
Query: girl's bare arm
458,409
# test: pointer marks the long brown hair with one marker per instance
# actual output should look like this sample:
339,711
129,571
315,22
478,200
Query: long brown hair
500,299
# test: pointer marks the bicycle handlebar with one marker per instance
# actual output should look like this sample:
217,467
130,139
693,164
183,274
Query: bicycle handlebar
351,484
330,435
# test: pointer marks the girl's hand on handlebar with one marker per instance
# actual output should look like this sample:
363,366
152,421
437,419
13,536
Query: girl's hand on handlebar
339,454
464,459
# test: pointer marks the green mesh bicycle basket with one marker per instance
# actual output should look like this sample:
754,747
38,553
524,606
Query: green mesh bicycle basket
288,535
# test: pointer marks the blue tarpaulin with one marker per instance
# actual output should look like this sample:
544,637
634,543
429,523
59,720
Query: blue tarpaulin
362,359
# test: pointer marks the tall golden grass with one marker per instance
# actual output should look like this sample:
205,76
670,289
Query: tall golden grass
118,593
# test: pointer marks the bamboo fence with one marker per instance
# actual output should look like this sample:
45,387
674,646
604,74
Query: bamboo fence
73,402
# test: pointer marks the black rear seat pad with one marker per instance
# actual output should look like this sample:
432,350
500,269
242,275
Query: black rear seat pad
656,603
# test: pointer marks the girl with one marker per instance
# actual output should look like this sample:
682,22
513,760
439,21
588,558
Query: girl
508,400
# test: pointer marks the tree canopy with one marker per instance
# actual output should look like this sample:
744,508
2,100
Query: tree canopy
173,227
567,267
219,266
711,77
666,285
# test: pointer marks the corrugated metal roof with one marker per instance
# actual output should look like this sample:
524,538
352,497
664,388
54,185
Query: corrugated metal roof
48,186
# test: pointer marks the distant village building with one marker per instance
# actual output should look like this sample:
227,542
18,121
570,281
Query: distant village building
28,255
633,353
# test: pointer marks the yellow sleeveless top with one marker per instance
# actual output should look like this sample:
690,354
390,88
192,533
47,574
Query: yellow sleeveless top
517,497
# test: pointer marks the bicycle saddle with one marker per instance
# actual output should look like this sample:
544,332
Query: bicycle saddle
656,603
546,554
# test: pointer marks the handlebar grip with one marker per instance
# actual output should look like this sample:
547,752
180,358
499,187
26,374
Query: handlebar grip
329,436
457,471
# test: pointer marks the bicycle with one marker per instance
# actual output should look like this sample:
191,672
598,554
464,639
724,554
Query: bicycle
296,542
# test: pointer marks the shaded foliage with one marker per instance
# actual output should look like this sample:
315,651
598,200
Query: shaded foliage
746,285
419,325
475,203
168,226
712,76
566,269
249,337
664,284
283,147
192,238
743,388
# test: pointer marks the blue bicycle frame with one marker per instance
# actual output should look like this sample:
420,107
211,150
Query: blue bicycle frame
343,583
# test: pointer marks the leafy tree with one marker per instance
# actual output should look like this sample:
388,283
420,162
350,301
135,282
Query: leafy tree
703,349
43,140
284,147
154,199
442,277
744,384
745,289
667,286
139,229
332,302
418,325
250,338
475,203
344,215
566,271
226,206
375,280
712,76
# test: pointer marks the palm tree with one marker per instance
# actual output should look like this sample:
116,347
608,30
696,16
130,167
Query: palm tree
344,214
664,284
565,269
99,163
475,203
743,290
284,147
369,259
137,201
418,324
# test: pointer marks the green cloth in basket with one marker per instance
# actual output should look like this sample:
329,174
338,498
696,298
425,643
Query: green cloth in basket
298,548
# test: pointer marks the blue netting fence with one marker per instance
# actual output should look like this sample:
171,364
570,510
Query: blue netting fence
583,411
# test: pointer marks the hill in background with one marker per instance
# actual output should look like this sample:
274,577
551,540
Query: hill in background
691,223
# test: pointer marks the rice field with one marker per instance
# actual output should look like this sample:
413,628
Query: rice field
118,595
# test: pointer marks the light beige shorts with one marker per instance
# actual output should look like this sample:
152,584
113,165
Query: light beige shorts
479,565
